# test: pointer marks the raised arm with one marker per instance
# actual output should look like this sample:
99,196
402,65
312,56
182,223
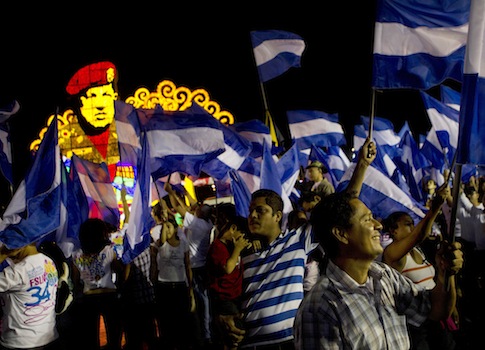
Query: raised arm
366,156
395,252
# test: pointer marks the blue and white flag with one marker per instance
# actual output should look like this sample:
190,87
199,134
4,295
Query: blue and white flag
444,120
137,236
317,128
412,164
382,195
450,97
183,141
34,210
256,132
74,211
419,44
5,144
472,114
241,193
237,148
270,176
98,188
276,51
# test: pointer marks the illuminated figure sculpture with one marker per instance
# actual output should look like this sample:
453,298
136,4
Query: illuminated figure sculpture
91,134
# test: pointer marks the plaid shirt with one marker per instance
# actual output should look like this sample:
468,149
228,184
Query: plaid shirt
139,288
339,314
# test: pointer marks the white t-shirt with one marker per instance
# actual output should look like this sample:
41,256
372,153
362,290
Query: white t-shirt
171,263
198,232
28,291
95,270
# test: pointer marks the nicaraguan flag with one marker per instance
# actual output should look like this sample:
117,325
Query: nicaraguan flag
137,236
276,51
412,164
237,148
317,128
5,144
472,114
270,177
450,97
382,195
74,211
183,141
256,132
250,173
97,187
34,210
444,120
419,44
241,193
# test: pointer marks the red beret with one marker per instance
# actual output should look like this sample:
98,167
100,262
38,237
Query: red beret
96,74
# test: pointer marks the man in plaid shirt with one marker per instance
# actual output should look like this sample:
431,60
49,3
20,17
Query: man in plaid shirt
359,303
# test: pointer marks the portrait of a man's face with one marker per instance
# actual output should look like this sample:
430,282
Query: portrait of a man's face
97,106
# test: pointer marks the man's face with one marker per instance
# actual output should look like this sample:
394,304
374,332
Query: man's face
364,238
262,221
314,174
98,107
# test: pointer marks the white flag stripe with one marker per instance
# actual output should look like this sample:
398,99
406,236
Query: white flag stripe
442,122
314,126
92,190
127,134
439,42
231,158
185,141
269,49
474,54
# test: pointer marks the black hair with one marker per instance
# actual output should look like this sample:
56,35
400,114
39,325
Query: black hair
334,211
94,235
390,223
272,199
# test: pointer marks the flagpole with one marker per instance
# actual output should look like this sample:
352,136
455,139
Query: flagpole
268,119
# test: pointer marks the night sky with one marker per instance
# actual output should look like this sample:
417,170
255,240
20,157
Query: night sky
197,47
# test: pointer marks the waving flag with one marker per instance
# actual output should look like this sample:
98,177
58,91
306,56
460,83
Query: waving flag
270,177
137,235
381,194
97,187
450,97
34,210
5,145
237,148
74,211
241,193
419,44
317,128
412,164
276,51
183,141
256,132
472,117
444,121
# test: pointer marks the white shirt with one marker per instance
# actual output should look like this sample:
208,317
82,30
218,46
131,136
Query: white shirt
28,291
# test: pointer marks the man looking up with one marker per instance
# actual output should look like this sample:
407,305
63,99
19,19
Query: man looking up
359,303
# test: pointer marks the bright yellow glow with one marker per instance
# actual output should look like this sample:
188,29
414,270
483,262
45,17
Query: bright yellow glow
167,95
97,107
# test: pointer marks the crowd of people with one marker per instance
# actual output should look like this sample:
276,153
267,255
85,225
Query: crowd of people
211,279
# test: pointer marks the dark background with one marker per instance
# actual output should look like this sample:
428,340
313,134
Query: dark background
197,46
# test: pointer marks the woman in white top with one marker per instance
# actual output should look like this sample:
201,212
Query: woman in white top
174,292
95,270
28,288
404,254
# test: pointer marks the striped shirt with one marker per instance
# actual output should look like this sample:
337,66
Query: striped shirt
273,287
338,313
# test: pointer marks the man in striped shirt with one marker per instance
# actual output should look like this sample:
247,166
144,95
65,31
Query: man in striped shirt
273,276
